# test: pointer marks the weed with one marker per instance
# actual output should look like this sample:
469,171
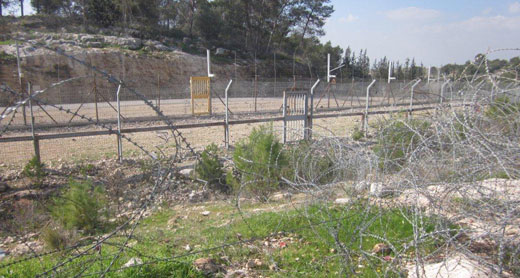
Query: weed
260,161
56,238
80,207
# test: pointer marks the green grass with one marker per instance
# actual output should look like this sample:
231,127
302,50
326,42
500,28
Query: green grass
307,255
7,42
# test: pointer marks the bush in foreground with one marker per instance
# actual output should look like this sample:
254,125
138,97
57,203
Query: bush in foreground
260,162
80,207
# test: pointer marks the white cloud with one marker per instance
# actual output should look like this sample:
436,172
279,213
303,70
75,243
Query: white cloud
412,14
514,8
348,19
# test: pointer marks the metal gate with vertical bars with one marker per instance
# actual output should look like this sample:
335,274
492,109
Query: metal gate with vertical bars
200,95
295,113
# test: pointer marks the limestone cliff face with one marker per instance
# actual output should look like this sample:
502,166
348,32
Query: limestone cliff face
149,74
150,67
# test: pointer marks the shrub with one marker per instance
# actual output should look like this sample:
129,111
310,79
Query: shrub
357,134
209,167
504,115
34,170
502,107
80,207
260,161
397,141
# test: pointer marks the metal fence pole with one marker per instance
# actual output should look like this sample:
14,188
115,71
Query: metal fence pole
36,142
284,116
309,124
411,96
442,90
365,116
226,127
20,80
119,141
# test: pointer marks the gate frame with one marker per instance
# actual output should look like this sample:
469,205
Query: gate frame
299,117
197,95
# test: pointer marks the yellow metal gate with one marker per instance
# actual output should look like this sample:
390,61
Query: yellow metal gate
200,95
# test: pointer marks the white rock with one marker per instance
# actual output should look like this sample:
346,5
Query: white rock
457,266
186,172
187,248
342,201
133,262
376,189
206,213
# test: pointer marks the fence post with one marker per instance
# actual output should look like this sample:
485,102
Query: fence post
410,110
365,116
119,141
36,142
311,112
284,116
20,80
226,126
442,90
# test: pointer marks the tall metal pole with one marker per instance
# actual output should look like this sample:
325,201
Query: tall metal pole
311,112
226,127
411,96
365,118
20,80
442,90
119,141
284,118
34,137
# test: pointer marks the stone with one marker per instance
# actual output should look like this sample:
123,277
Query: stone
91,38
3,254
206,213
186,172
94,44
133,262
236,274
381,249
379,190
130,43
457,266
206,265
187,248
254,263
342,201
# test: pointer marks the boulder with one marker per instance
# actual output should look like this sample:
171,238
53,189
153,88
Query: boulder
130,43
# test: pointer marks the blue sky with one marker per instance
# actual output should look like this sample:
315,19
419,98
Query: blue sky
435,32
